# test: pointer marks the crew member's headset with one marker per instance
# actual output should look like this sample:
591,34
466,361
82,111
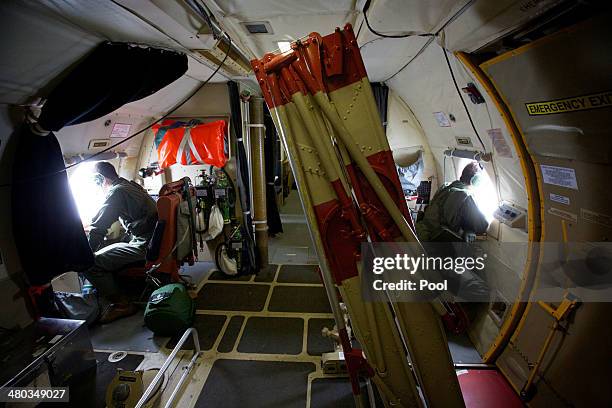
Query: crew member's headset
98,179
477,178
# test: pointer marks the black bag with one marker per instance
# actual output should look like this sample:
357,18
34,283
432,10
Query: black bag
77,306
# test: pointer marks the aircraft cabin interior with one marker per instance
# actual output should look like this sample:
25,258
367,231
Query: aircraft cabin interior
305,204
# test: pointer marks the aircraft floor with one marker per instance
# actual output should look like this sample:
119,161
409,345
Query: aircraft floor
293,245
260,335
268,350
462,350
134,336
261,343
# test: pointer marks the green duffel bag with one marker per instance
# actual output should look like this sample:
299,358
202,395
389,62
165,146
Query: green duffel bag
170,310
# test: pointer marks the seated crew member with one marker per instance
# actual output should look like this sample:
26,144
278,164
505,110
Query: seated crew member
453,216
129,203
453,213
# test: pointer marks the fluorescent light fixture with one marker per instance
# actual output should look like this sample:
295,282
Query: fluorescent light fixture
284,46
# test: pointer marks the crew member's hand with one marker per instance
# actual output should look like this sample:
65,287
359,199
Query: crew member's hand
470,237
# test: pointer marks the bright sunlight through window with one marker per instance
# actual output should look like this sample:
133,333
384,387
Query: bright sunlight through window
284,46
485,194
88,196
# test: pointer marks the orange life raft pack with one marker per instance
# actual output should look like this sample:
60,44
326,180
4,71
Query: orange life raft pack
190,142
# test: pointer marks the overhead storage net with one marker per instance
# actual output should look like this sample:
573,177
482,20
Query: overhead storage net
321,101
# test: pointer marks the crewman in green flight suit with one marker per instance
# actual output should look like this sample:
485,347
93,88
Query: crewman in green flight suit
452,216
129,203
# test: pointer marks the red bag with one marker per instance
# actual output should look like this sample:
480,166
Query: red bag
190,143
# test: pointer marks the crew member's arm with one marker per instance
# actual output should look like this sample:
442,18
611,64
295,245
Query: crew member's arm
102,221
473,220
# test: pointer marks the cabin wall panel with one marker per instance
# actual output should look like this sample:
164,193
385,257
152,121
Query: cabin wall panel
406,137
486,21
574,370
427,87
74,140
473,24
211,100
383,57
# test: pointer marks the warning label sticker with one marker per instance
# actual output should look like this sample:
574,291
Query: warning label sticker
499,143
595,217
566,215
559,176
559,199
120,130
442,119
576,103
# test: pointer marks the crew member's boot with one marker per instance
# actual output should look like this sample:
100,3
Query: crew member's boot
120,307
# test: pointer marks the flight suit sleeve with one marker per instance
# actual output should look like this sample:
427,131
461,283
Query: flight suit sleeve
102,221
473,220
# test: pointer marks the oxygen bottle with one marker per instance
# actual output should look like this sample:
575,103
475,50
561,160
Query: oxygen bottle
221,195
236,247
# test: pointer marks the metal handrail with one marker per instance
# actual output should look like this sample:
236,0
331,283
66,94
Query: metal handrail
197,352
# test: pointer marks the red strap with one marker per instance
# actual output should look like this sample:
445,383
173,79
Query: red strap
34,292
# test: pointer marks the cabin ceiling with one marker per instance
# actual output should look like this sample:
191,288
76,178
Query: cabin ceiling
293,19
289,19
463,25
42,39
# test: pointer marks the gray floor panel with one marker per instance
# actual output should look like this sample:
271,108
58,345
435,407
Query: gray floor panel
331,393
293,246
255,384
272,335
127,334
231,334
299,299
293,219
220,296
292,205
295,255
317,344
299,274
295,234
220,276
208,327
267,274
462,350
